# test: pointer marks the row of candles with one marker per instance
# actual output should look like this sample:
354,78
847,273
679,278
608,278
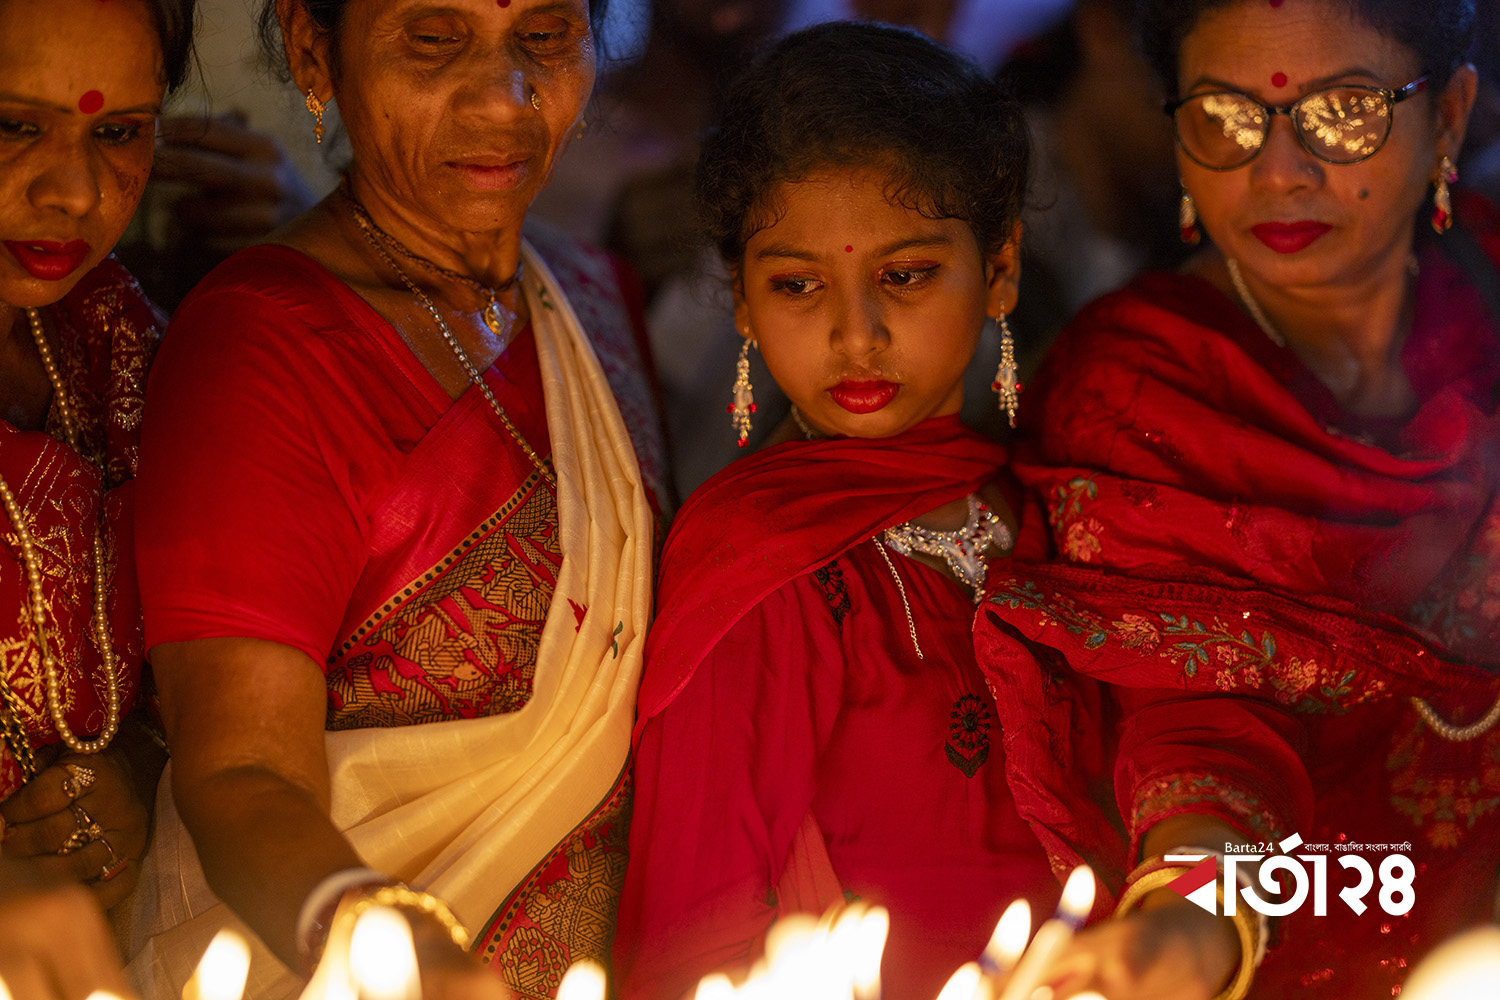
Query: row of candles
835,958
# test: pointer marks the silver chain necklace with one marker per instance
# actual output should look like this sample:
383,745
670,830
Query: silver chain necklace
361,218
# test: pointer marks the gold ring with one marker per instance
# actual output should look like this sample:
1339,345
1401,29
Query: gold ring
79,778
84,833
116,863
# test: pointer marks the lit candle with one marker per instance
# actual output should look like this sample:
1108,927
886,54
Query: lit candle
869,945
584,981
1465,967
221,971
1009,940
963,984
1053,936
4,990
382,958
715,986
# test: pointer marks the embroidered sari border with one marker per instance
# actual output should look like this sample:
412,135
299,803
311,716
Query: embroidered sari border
416,587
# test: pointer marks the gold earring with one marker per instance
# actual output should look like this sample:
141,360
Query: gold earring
1187,219
316,107
536,101
1442,202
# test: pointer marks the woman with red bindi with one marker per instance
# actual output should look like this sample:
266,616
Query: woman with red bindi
81,85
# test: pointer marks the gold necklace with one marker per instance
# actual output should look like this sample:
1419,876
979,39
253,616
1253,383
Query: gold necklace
103,637
361,219
494,314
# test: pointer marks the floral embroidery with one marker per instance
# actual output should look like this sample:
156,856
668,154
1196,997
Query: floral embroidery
1078,535
1169,795
1443,802
831,579
969,734
1237,660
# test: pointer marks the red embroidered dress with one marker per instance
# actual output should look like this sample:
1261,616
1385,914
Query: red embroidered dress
308,482
783,682
102,335
1237,555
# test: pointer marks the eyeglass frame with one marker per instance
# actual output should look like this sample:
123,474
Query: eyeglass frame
1393,97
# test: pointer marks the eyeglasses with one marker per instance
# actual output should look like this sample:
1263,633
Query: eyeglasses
1225,129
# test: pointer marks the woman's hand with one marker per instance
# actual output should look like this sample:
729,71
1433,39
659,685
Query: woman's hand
54,944
448,972
1167,950
81,820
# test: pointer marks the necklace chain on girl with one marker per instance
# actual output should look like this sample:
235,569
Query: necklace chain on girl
962,549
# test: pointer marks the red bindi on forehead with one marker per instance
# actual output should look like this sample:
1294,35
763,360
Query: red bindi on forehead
93,100
503,3
1278,79
848,249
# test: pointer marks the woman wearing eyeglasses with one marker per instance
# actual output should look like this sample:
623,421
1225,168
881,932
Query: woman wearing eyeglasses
1273,533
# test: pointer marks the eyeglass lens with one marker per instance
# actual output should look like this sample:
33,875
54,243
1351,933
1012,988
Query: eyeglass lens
1342,125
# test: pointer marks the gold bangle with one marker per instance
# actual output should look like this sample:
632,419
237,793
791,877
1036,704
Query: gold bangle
1248,930
425,903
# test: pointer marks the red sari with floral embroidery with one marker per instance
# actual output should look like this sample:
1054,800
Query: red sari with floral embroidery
103,335
1234,548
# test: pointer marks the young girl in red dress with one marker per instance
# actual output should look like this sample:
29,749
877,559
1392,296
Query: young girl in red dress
812,723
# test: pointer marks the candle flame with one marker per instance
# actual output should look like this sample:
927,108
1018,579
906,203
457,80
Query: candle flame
4,990
1465,967
874,927
1078,895
584,981
1011,935
382,957
222,970
96,995
714,987
963,984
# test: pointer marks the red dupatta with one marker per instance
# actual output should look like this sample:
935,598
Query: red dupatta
778,514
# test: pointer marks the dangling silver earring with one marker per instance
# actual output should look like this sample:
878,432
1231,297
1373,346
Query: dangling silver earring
744,397
1006,384
1187,219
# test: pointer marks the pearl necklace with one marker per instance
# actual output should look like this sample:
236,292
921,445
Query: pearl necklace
364,222
103,638
1251,305
961,549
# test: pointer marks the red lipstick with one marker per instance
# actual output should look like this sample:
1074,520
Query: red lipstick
1289,237
47,260
864,397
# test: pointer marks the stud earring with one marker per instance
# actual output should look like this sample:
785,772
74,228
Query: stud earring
536,101
743,393
1442,202
1006,384
315,106
1187,219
